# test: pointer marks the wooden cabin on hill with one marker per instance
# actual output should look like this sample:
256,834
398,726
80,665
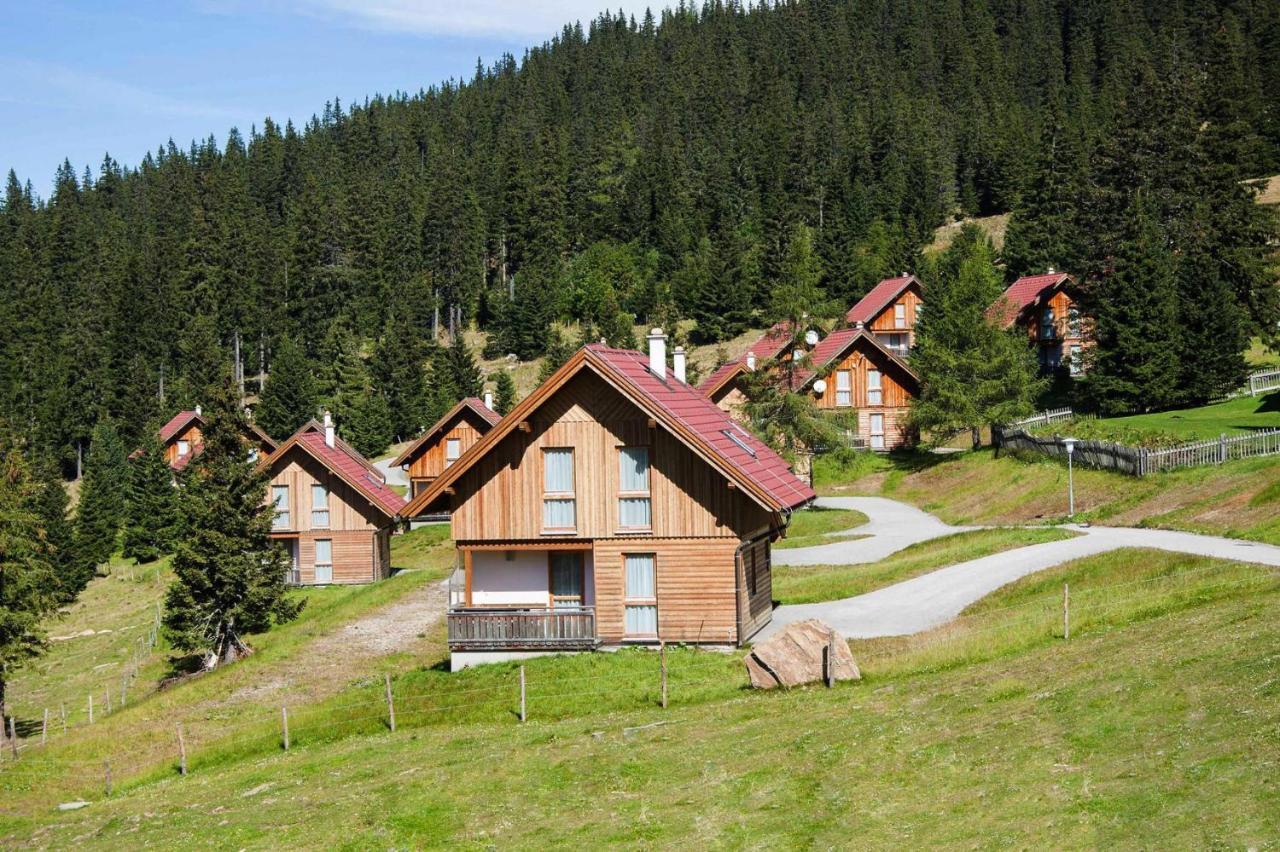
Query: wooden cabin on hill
724,385
890,313
334,511
445,441
614,505
181,438
1047,307
852,369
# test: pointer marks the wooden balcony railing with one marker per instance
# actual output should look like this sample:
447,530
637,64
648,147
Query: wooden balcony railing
522,629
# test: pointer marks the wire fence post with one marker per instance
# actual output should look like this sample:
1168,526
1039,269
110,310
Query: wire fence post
182,752
106,770
107,692
1066,611
44,728
662,666
13,738
284,721
828,661
391,707
62,707
522,695
90,708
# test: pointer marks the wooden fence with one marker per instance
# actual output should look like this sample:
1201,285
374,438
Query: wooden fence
1140,461
1263,381
1043,418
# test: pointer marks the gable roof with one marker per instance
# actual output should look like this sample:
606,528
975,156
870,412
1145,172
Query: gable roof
486,414
721,376
692,418
834,346
773,342
1022,293
881,295
345,462
179,423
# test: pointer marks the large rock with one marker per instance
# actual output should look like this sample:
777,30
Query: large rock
793,656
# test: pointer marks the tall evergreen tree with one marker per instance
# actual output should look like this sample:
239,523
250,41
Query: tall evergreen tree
229,575
504,392
50,502
103,494
290,397
151,520
399,372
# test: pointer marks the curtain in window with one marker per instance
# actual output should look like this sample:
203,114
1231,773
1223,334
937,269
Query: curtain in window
874,395
642,620
280,496
558,514
844,385
634,463
558,477
640,581
566,578
634,512
452,450
324,551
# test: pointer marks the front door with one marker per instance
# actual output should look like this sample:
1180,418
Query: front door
567,579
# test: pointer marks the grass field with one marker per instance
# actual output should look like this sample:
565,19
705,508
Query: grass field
1153,725
1240,416
813,526
1240,499
794,584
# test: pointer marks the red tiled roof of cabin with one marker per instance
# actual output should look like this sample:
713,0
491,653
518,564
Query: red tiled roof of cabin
1022,293
833,346
346,462
181,420
733,445
473,403
773,342
870,305
175,425
720,376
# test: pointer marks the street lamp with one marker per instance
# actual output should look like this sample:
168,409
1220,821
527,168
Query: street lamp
1070,444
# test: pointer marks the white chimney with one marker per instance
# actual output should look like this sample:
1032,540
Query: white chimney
658,353
751,360
329,435
198,411
906,275
488,399
1050,270
677,364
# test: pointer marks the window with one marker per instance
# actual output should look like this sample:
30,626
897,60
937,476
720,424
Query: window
566,579
749,565
1077,360
557,486
319,506
875,396
452,449
634,507
1073,321
1046,324
324,560
640,595
900,315
184,447
844,388
877,431
280,497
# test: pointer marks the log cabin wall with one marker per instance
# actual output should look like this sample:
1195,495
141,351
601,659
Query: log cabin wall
501,496
358,557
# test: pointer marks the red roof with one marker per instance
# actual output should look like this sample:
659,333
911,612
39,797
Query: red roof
475,404
722,374
881,295
835,345
343,460
180,421
731,444
1024,292
175,425
773,342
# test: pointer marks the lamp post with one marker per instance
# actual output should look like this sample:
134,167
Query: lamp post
1070,444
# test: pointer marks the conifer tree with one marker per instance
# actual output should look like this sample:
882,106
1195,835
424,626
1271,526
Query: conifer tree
290,397
797,295
464,377
28,584
151,523
361,413
504,398
50,502
230,575
103,495
399,373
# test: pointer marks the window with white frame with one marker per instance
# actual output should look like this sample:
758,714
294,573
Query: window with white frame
558,498
280,499
875,393
919,311
877,431
324,560
452,449
844,388
900,315
184,447
319,506
640,597
634,505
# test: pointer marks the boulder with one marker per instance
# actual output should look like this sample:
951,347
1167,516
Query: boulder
793,656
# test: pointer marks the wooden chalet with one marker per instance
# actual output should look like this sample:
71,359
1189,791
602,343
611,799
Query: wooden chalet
181,438
614,505
334,511
852,369
1046,307
445,441
724,386
890,312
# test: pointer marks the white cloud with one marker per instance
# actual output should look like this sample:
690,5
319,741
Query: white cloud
540,19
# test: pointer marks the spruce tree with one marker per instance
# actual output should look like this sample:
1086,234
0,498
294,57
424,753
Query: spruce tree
361,412
50,502
229,574
151,523
103,494
504,398
464,376
290,397
399,373
28,585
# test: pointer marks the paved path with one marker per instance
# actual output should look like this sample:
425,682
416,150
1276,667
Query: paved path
891,527
932,599
393,474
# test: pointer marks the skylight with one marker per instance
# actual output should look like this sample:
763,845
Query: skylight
729,433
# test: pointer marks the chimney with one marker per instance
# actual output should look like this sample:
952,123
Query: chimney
1050,270
751,360
328,429
488,399
198,411
857,323
906,275
677,364
658,353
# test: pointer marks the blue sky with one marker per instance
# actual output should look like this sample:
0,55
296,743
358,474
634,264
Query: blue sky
80,79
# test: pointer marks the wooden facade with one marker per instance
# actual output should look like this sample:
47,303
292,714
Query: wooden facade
895,325
184,444
432,460
1059,332
848,385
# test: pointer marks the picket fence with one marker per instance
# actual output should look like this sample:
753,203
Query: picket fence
1264,381
1140,461
1044,418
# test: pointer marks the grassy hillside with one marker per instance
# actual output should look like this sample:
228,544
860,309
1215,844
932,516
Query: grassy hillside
1240,416
1148,726
1239,499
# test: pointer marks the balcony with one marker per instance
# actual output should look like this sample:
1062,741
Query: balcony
565,628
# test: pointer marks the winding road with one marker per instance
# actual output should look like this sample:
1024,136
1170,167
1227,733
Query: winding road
939,596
